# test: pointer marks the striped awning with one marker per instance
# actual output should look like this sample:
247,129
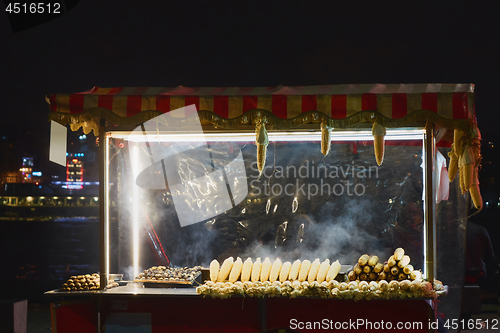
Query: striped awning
443,102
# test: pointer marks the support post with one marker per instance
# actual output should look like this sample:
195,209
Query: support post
429,202
103,267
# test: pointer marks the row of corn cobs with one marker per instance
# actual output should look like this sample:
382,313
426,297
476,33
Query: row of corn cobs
276,271
396,268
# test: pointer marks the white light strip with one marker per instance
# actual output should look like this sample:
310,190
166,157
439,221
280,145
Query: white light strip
135,209
106,200
313,136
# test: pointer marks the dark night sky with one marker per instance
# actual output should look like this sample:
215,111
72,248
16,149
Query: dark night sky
164,43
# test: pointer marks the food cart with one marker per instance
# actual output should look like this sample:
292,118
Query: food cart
328,172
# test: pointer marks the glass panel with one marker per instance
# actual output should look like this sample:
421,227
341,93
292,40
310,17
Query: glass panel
304,205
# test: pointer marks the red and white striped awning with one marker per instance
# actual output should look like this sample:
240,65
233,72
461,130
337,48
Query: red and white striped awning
451,101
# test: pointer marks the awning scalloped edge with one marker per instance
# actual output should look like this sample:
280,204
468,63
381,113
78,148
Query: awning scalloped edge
89,120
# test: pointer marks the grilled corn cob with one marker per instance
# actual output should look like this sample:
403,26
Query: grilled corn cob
373,261
265,270
236,270
402,276
285,270
357,269
378,268
363,260
392,261
382,276
313,271
408,269
372,276
404,261
294,270
256,268
416,275
275,270
225,269
394,270
399,253
214,270
387,268
352,276
367,269
323,271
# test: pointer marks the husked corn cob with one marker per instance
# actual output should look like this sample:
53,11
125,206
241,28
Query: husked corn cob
387,268
367,269
394,285
394,270
352,285
313,271
399,253
408,269
326,138
285,270
404,285
225,269
323,271
404,261
415,285
256,268
363,260
214,270
475,195
402,276
236,270
261,141
357,269
378,268
373,261
333,271
378,132
275,270
246,271
294,270
383,285
304,270
467,170
265,270
363,286
382,275
391,262
453,167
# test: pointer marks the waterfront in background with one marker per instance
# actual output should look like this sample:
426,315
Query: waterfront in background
38,255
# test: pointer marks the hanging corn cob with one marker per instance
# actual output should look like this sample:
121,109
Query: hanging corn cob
467,149
326,138
378,132
261,141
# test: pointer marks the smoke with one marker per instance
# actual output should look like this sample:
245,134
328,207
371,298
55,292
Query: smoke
299,226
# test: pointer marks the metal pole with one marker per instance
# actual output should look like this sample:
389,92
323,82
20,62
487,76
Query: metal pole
102,206
429,202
